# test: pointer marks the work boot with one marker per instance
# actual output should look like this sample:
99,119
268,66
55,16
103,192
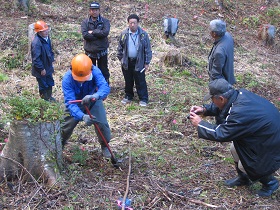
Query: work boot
241,180
269,185
106,153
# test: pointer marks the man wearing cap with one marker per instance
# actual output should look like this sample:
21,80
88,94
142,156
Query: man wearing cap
252,124
95,30
220,59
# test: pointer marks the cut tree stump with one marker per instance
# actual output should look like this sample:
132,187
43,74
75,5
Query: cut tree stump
175,57
33,151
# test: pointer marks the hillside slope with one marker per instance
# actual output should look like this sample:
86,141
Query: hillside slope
171,167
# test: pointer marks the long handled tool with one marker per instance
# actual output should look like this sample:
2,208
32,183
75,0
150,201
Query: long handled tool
113,159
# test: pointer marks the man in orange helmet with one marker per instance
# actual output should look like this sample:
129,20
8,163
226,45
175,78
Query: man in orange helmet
42,60
85,82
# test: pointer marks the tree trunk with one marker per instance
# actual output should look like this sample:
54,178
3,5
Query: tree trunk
32,151
31,35
24,4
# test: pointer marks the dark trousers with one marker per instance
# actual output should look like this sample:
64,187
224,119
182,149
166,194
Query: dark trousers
131,76
102,64
98,111
45,82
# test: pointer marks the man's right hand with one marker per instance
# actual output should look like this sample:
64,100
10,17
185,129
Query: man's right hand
43,73
88,98
195,119
89,121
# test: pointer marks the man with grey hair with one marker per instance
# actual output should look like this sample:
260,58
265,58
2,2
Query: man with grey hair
252,124
220,59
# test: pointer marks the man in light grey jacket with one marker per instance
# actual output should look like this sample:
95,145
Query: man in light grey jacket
221,56
135,54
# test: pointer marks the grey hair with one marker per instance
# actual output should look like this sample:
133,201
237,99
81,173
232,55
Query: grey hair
218,26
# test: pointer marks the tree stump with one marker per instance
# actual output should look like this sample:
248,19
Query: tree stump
32,151
23,4
175,57
31,35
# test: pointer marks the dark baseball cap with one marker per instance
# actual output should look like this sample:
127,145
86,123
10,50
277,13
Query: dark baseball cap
94,5
217,87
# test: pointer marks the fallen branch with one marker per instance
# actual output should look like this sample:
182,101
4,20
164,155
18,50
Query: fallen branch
154,202
163,192
19,164
194,200
128,177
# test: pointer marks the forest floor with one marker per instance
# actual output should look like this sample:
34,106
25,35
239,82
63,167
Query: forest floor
171,168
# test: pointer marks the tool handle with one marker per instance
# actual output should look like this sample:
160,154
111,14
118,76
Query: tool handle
100,133
77,101
74,101
88,112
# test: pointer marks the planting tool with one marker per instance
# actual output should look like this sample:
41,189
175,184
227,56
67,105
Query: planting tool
113,159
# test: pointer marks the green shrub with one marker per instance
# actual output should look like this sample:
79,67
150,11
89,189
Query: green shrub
3,77
80,155
27,107
13,60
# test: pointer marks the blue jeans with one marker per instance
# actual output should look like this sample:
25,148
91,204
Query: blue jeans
131,76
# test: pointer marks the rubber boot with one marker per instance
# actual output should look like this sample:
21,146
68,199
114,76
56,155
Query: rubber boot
44,94
269,185
241,180
49,92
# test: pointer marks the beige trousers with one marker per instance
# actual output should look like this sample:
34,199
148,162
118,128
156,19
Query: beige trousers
236,158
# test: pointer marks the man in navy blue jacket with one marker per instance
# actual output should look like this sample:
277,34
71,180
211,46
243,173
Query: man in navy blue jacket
85,82
252,124
42,59
221,56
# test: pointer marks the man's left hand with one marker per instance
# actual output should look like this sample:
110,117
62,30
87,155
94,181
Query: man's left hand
89,98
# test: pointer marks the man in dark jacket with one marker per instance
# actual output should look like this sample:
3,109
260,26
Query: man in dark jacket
135,54
252,124
95,30
220,59
42,59
85,82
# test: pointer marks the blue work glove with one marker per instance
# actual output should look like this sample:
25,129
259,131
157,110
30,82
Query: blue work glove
89,121
89,98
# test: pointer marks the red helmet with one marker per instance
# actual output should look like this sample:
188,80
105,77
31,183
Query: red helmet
40,26
81,67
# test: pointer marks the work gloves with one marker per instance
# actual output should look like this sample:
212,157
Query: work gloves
89,98
89,121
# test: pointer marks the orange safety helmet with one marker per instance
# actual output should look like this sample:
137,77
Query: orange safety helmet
81,67
40,26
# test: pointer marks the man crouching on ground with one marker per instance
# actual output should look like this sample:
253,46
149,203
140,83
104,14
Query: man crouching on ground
252,124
